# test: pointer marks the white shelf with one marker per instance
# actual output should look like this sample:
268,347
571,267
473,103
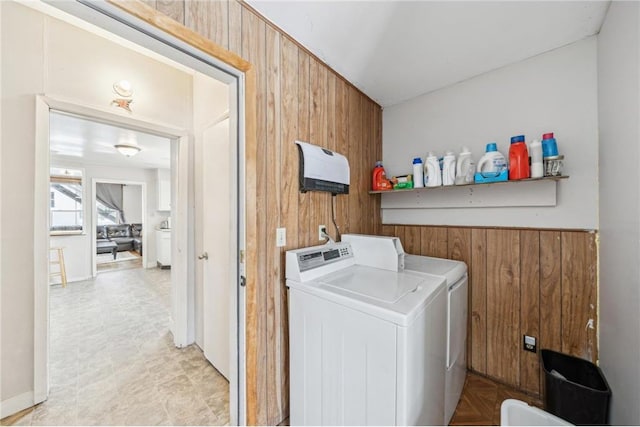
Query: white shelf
526,192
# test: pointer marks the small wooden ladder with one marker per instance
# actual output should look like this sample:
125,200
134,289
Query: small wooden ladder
59,261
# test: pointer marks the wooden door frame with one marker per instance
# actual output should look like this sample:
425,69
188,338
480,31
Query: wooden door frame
166,25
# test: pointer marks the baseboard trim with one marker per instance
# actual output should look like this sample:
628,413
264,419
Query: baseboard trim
16,404
72,280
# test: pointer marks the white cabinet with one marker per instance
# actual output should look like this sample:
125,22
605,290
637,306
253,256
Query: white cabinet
163,247
164,189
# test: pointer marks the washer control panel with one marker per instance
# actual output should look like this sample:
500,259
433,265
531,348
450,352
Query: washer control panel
320,256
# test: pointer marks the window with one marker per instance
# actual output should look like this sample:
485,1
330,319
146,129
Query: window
66,212
106,215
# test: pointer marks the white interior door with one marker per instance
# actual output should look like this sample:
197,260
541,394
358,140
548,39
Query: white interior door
219,236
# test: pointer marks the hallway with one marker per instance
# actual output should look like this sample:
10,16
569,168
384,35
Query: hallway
113,362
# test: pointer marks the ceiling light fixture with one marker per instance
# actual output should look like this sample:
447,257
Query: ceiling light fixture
124,89
128,150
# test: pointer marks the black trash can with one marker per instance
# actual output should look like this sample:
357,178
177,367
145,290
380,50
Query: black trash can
575,389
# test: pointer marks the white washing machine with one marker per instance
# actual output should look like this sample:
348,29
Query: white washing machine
367,344
455,273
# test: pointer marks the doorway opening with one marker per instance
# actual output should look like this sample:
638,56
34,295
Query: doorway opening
187,223
121,226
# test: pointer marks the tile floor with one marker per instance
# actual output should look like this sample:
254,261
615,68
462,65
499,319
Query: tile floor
121,265
481,399
112,360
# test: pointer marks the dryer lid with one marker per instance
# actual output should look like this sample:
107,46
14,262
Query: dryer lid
450,269
380,285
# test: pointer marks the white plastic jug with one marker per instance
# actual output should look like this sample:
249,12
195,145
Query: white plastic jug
465,168
432,176
449,168
418,173
537,168
493,161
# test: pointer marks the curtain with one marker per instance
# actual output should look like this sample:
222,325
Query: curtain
111,196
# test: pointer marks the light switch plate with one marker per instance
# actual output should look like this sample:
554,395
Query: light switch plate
281,237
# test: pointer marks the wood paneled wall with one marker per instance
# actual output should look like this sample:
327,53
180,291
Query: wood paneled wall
521,281
298,98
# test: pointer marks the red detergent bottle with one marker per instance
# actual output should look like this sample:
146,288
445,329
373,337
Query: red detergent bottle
380,181
518,159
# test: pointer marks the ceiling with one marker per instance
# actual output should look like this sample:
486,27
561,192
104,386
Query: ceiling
75,139
396,50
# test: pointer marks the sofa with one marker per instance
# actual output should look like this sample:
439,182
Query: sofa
119,238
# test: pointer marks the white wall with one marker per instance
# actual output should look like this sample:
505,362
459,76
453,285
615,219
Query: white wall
77,248
43,55
132,203
552,92
19,83
619,114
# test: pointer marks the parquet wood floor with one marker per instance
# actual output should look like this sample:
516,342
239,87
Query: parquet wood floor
481,399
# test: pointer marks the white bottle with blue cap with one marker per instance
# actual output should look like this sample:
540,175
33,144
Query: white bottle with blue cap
418,173
493,161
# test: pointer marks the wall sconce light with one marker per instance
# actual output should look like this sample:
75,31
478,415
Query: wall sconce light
124,90
127,150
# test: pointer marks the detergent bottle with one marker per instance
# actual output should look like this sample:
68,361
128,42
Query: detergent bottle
433,176
537,167
492,167
518,158
449,168
465,168
380,181
418,173
549,145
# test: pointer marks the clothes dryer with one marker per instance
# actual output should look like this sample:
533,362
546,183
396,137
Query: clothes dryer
455,273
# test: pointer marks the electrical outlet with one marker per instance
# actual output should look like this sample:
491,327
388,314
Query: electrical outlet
281,237
529,343
321,228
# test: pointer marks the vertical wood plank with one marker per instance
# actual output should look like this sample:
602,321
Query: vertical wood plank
354,138
477,333
209,19
279,404
579,298
530,307
331,111
235,27
254,49
433,242
503,305
365,161
399,233
304,131
550,291
172,8
342,147
388,230
319,201
330,202
376,155
412,242
459,244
